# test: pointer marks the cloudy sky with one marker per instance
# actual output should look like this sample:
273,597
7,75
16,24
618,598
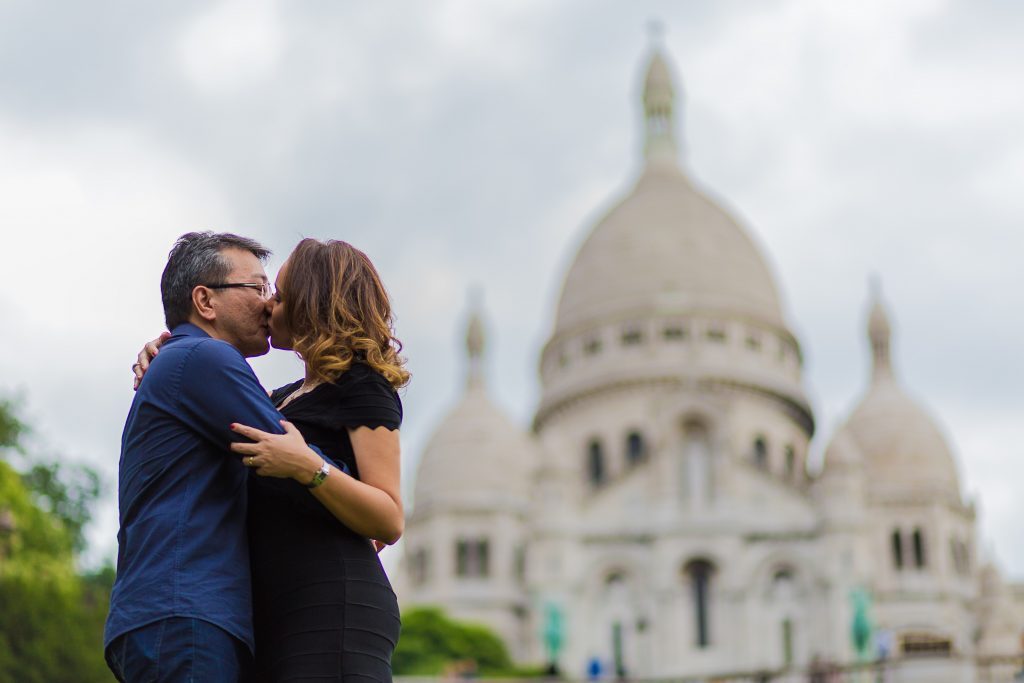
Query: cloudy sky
465,143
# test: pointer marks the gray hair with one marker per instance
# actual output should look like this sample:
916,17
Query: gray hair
196,259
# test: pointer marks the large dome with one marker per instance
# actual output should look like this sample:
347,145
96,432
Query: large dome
903,449
667,248
671,284
478,458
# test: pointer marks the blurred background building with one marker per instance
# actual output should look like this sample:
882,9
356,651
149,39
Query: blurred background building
660,519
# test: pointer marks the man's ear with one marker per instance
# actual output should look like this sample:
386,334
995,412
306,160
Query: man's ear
202,303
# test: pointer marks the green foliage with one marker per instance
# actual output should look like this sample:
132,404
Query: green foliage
432,644
10,427
48,632
66,491
51,619
30,539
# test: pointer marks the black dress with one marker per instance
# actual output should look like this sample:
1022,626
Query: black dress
323,608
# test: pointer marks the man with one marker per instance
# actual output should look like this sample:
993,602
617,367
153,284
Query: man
181,605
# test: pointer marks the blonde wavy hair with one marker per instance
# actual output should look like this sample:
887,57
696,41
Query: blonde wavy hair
339,312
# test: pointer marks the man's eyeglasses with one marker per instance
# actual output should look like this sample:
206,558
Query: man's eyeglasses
266,290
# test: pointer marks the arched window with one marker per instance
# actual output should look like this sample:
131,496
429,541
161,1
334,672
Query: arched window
519,563
925,645
595,463
636,449
632,335
699,573
674,332
419,566
761,453
697,484
783,584
897,549
961,556
790,461
783,596
787,642
616,597
472,557
919,556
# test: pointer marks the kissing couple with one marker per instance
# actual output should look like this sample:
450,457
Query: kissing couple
250,523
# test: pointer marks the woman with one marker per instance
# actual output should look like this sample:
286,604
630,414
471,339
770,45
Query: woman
322,602
323,608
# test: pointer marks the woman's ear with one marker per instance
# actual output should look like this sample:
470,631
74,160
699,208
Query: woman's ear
202,302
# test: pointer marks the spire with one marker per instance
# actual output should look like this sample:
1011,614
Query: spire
659,105
475,342
879,334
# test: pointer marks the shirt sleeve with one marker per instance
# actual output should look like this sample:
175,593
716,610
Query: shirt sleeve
219,388
360,398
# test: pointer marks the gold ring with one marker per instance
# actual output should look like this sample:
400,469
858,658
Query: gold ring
251,460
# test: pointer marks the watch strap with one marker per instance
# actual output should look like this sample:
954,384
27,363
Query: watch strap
319,476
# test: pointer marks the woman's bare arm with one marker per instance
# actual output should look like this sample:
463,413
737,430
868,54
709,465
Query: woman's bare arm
371,505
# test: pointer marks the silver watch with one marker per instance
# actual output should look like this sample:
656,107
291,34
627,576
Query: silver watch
319,476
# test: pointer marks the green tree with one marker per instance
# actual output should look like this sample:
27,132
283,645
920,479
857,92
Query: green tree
66,491
432,642
10,426
51,619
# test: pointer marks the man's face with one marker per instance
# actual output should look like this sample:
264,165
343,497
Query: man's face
243,316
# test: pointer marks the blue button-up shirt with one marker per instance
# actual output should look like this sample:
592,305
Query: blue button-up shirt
182,548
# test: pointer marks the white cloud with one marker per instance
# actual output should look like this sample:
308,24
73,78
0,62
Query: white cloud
234,44
88,216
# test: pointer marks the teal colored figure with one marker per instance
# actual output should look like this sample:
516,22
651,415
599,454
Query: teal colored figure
554,635
861,627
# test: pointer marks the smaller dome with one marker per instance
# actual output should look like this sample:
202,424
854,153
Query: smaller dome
842,454
902,447
477,457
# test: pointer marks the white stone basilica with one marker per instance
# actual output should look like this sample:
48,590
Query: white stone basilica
659,517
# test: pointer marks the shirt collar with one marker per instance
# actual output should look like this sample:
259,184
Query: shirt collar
188,330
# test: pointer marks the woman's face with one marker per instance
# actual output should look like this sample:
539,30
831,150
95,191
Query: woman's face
280,333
